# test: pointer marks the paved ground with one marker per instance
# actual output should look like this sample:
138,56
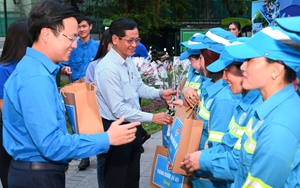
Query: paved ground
88,177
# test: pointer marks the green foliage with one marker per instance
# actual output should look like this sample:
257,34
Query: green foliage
152,127
259,18
235,8
64,82
150,15
145,102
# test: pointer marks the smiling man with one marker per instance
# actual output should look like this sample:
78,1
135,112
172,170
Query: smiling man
83,54
119,87
34,123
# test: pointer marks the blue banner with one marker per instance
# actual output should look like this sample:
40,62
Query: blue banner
163,175
174,139
72,117
165,137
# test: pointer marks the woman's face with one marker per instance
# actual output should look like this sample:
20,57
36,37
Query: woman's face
203,71
257,73
234,30
233,76
195,62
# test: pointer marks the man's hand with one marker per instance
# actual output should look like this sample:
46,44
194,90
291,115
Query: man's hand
167,94
191,161
66,70
162,118
191,97
121,134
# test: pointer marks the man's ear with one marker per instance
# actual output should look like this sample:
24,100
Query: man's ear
115,39
44,34
91,26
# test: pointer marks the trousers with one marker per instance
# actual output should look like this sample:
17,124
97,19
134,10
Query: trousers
122,164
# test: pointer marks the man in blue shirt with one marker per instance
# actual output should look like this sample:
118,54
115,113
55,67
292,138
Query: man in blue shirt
119,87
84,53
34,130
141,51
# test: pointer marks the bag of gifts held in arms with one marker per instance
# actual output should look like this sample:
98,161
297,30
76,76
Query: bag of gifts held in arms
82,107
162,175
184,138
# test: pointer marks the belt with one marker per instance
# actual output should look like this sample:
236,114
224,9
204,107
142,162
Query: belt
22,165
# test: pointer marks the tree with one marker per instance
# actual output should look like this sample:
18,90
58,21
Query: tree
150,15
235,8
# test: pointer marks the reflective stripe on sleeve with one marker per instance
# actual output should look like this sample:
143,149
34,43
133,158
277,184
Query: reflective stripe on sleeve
250,145
215,136
255,182
235,129
238,144
203,112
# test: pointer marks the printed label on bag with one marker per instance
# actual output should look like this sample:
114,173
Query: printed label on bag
165,136
163,176
72,117
174,139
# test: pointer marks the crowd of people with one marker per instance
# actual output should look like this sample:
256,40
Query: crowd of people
242,90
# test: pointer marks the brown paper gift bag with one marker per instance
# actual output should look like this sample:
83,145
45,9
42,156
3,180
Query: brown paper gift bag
82,108
162,175
184,138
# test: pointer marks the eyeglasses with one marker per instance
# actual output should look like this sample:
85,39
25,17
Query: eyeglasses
130,41
72,39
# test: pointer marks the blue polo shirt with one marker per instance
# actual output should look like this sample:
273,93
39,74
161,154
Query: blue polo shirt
222,159
270,141
216,109
34,123
194,80
81,57
5,71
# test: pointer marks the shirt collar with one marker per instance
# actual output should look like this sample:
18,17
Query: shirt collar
216,87
249,98
118,57
268,105
48,64
80,43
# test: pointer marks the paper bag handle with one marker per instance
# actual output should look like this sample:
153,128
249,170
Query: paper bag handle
92,87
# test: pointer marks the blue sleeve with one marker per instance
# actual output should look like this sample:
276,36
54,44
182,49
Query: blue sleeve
90,72
293,180
46,131
4,74
220,116
115,99
274,153
221,161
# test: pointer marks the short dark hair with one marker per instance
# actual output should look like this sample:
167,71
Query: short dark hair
82,17
49,14
105,40
16,41
120,25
